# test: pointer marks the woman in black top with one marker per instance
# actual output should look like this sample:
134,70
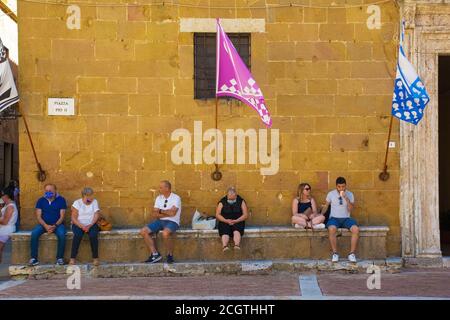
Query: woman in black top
231,213
304,210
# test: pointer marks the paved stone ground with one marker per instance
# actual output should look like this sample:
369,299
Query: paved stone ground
408,283
276,285
425,283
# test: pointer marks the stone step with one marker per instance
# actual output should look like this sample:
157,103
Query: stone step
258,243
196,268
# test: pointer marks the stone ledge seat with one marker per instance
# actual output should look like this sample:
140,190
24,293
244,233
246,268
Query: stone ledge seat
258,243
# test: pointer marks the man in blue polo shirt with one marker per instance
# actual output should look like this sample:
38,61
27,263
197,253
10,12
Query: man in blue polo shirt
50,210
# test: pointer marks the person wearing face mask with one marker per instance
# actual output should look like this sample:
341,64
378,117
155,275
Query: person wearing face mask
231,213
50,211
8,217
85,213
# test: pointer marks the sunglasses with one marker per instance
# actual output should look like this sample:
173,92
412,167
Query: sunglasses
165,203
307,189
340,201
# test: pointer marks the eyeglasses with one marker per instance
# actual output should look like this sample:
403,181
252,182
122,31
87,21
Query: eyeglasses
165,203
341,201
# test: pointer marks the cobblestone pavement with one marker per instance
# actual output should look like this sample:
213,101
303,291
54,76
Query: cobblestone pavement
408,283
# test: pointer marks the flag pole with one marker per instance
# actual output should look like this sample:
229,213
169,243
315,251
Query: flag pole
41,174
216,175
384,175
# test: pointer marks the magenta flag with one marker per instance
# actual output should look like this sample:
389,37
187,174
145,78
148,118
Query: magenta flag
235,80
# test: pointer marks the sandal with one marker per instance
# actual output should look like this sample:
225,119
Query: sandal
237,248
226,248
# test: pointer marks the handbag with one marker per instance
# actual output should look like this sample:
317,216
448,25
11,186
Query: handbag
103,224
203,222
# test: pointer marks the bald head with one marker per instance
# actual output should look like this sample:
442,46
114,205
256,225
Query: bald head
165,187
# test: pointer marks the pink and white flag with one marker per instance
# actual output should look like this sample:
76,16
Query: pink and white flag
235,80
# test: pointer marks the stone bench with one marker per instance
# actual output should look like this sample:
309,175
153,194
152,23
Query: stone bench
258,243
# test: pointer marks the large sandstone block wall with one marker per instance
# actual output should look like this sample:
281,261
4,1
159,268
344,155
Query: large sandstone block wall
327,79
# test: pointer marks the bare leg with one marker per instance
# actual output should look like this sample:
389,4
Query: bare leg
168,241
308,213
237,238
318,219
225,240
146,234
332,236
355,235
299,220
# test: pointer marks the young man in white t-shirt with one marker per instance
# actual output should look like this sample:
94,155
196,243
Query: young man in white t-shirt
342,203
167,210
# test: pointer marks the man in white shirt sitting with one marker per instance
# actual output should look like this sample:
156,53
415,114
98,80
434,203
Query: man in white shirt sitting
342,202
167,210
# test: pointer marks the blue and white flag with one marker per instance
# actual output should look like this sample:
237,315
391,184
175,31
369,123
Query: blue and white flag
8,90
410,96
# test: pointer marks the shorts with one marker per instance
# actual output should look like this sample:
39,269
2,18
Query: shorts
346,223
159,225
4,239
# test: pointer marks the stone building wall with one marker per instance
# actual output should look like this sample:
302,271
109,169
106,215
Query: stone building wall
327,79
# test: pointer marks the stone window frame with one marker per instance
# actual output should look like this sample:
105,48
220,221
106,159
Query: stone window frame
205,60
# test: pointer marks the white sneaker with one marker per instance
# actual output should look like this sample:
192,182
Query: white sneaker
352,257
335,257
319,226
297,226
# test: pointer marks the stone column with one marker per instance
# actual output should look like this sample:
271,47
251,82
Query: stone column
419,179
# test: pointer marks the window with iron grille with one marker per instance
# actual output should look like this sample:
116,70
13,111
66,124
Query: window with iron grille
205,60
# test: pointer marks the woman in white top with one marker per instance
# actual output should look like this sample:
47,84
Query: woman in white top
85,213
8,218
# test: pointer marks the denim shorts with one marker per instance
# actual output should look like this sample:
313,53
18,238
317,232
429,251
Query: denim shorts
346,223
159,225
